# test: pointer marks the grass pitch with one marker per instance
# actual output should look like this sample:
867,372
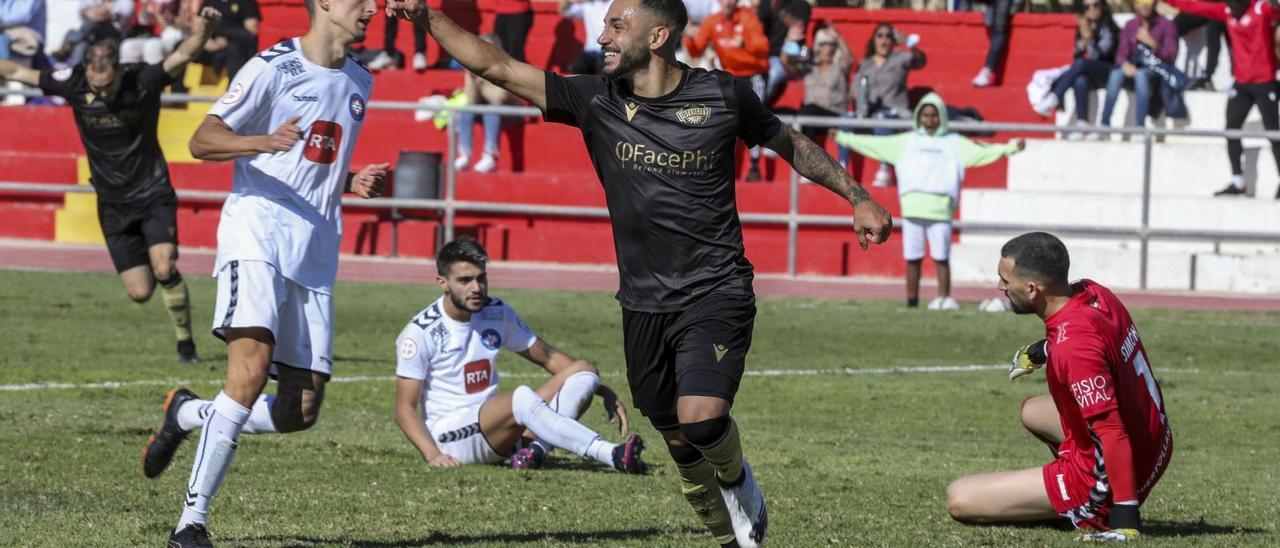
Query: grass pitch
844,458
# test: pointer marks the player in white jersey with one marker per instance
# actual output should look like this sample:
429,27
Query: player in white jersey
277,244
447,400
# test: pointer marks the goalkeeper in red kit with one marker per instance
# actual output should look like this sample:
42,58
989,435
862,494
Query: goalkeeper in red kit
1103,418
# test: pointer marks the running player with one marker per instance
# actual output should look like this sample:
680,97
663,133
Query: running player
277,244
661,136
1103,418
116,109
448,357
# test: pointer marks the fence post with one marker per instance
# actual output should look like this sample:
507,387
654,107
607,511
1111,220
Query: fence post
793,222
450,182
1146,208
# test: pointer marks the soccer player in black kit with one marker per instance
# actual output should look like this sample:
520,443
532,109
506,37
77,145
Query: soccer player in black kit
661,136
116,110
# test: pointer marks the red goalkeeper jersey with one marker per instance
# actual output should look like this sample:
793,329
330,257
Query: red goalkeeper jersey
1252,37
1097,366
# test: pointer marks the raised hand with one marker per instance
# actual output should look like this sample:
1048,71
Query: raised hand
206,21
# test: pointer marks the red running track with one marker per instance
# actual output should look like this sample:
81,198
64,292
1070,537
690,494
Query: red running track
16,254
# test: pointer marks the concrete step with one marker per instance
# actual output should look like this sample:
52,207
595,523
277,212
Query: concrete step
1119,211
1185,169
1118,265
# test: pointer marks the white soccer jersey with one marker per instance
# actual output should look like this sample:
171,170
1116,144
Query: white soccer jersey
285,207
458,360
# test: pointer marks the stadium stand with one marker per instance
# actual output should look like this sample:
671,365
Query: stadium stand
1053,182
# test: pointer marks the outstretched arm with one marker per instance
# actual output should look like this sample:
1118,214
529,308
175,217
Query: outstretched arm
14,72
486,60
409,419
555,361
201,29
871,222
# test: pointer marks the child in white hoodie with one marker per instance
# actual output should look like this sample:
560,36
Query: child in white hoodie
930,163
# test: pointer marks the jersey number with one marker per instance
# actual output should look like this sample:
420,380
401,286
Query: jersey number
1143,369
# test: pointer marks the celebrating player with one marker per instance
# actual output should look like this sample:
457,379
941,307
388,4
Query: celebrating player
661,137
1104,416
277,244
117,108
448,362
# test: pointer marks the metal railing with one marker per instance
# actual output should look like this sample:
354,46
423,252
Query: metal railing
792,219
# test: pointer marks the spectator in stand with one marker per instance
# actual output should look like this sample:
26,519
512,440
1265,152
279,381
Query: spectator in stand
22,25
1251,33
591,13
99,20
699,11
235,41
1147,29
512,21
391,57
737,37
785,23
157,29
1213,34
997,18
880,85
931,164
481,92
1097,38
826,84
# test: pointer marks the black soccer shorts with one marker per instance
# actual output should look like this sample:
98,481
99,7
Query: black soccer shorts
132,228
699,351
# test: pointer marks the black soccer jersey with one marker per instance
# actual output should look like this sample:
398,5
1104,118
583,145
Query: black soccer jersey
667,167
125,161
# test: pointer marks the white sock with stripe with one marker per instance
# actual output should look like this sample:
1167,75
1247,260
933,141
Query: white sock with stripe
193,413
214,453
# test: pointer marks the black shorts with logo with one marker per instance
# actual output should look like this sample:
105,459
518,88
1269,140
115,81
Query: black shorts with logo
699,351
132,228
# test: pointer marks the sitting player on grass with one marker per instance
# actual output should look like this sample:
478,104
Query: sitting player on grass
1104,415
447,400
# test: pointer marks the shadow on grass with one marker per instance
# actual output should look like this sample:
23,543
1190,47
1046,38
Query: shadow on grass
571,537
1160,528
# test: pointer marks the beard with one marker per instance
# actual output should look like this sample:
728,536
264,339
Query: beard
628,61
461,303
1019,306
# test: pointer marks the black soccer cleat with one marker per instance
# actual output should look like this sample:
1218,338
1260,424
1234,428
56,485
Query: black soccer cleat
626,457
187,352
159,450
1231,190
194,535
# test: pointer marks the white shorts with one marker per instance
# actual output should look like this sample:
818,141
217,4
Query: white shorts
458,435
254,294
914,233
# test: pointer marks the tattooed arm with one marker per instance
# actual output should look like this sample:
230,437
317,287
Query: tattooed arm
871,222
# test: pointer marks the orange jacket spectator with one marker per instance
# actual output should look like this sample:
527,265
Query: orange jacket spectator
737,37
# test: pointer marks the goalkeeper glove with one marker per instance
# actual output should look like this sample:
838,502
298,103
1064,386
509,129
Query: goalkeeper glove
1028,358
1114,535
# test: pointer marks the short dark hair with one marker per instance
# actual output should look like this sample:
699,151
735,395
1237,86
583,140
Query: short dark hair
465,249
1039,255
102,55
673,13
310,5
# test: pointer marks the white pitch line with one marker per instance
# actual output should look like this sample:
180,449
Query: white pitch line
112,385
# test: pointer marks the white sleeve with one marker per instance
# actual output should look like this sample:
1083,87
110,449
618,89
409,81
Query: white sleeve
516,337
246,106
412,355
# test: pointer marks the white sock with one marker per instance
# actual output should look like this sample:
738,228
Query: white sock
193,413
533,413
260,417
214,453
574,395
1237,181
